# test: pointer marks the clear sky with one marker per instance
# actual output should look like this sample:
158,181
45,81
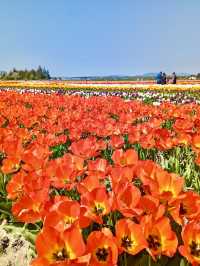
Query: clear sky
100,37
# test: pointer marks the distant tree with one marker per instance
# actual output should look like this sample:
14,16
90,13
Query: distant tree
2,75
46,74
39,74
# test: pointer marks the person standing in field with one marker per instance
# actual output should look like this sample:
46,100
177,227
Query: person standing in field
174,78
159,78
164,79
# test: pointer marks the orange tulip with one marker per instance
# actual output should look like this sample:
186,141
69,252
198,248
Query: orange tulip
97,203
160,237
64,214
15,187
130,237
59,248
191,243
187,207
126,158
127,197
103,248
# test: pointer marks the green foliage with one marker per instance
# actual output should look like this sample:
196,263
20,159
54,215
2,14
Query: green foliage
144,259
181,160
72,193
59,150
148,100
38,74
141,120
114,116
168,124
5,204
107,154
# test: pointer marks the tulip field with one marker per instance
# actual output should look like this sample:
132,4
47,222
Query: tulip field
99,176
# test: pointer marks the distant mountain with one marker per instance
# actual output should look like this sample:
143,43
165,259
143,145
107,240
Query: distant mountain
184,74
110,77
150,75
153,74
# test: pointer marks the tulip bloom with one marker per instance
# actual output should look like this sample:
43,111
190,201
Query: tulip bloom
187,207
63,215
127,197
97,165
130,237
191,243
160,237
103,248
11,165
54,248
28,209
126,158
161,184
15,187
97,203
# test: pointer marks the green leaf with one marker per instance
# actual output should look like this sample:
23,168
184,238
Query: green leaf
184,263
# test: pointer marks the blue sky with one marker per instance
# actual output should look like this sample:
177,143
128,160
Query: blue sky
100,37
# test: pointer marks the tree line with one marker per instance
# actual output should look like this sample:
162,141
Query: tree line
38,74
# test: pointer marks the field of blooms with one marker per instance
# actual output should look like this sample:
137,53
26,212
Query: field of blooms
87,85
99,181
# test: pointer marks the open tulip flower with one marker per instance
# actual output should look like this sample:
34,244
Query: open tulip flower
103,248
55,248
160,237
130,236
97,204
191,243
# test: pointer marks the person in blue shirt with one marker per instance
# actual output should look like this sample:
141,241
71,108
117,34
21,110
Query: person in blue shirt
159,78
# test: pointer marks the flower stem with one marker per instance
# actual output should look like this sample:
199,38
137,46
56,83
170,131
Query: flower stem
149,260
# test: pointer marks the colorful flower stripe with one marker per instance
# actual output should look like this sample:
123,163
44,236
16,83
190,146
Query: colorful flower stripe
103,86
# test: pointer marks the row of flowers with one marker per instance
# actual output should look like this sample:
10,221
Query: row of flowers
105,86
150,97
70,166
